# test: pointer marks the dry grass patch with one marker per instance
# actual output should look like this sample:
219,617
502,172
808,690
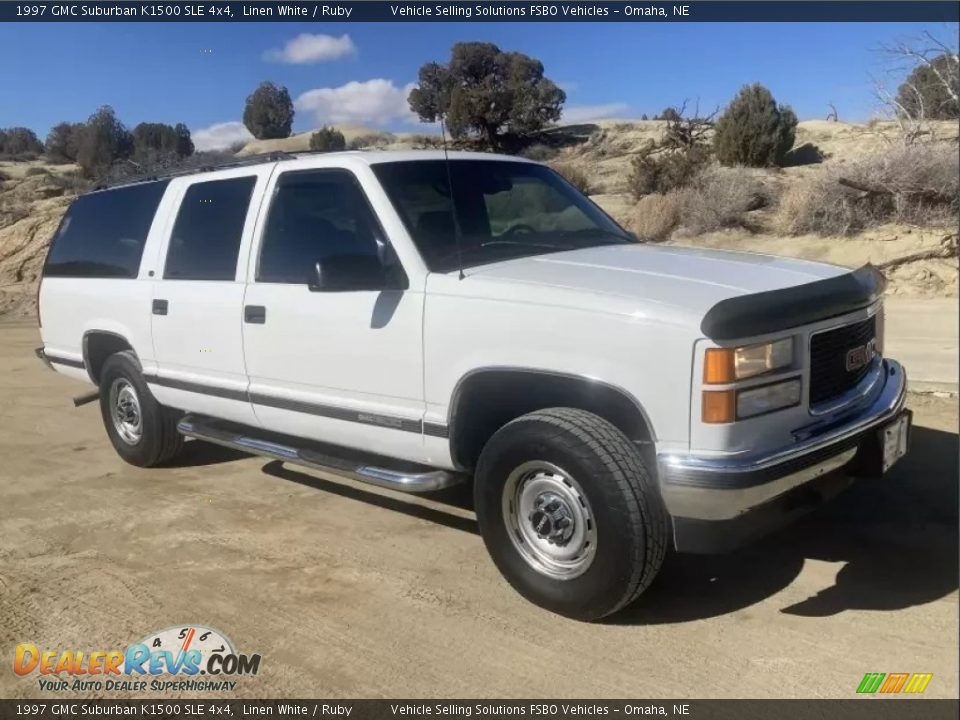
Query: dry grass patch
910,184
717,198
575,175
657,216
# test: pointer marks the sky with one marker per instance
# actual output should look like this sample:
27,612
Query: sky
201,73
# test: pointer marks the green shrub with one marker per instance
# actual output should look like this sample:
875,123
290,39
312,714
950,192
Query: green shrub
63,142
487,93
754,131
104,141
662,173
161,143
19,141
327,139
268,113
930,90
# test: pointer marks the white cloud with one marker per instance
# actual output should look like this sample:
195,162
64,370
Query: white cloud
581,113
376,101
307,48
220,136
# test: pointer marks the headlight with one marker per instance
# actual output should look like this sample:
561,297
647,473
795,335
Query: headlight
725,406
760,400
727,365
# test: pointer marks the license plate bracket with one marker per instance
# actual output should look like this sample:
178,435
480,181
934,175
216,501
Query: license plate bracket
894,440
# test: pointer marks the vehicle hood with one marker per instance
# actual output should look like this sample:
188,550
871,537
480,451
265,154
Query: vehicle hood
643,278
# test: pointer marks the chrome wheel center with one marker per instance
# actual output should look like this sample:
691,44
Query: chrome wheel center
125,411
549,520
552,519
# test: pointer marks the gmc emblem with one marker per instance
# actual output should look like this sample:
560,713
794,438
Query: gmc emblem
861,356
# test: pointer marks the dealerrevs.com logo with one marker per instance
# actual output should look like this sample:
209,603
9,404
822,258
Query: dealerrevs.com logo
185,658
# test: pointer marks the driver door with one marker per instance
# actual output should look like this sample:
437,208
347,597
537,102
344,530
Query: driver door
342,366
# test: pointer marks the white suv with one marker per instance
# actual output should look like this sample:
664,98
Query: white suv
414,321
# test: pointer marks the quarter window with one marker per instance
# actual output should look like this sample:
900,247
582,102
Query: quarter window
103,233
205,240
315,215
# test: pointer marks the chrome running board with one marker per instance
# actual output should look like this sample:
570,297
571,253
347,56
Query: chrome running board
412,479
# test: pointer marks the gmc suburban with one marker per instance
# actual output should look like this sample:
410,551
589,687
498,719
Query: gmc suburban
416,319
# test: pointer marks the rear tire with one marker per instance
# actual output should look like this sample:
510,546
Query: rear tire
570,513
143,432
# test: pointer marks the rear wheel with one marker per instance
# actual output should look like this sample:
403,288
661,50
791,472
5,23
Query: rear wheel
143,432
569,512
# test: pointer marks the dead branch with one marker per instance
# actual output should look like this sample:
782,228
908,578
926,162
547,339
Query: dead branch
870,191
946,250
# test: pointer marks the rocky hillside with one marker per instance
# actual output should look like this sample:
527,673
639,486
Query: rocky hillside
33,198
919,261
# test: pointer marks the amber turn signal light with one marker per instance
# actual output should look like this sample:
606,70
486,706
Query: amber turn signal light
718,367
719,406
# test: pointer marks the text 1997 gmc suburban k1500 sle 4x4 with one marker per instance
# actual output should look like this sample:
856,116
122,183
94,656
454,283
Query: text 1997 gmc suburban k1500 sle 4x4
414,320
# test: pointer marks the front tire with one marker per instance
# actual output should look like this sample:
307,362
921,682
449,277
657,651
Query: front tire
569,512
143,432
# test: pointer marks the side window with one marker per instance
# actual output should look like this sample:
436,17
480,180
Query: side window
315,215
103,233
206,236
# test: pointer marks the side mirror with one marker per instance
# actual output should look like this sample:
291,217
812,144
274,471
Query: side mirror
343,273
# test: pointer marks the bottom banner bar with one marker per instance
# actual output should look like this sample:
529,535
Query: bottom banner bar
865,709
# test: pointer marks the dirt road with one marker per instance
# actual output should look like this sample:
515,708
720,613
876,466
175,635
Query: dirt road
924,336
353,592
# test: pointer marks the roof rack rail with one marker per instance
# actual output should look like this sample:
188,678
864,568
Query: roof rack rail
187,169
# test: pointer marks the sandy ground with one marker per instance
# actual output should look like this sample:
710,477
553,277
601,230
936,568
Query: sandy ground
352,592
924,335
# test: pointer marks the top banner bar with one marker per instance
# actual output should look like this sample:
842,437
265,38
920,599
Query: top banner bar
462,11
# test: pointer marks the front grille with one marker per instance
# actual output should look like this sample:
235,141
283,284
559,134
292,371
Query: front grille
829,376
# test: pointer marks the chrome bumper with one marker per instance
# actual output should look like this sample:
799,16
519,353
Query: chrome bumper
724,489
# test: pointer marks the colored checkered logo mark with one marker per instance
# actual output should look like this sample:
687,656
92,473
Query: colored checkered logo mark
894,683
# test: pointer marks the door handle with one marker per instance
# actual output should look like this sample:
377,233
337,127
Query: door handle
160,307
256,314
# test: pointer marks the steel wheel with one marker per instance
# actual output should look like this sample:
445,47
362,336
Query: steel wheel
125,411
549,520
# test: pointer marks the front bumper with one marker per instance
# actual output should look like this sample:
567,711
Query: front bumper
720,503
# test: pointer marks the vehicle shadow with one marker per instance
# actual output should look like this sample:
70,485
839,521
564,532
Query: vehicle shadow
196,453
896,538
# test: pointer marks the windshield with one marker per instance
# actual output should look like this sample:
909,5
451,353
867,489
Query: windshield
503,209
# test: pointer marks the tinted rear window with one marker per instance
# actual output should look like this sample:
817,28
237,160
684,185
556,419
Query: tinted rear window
205,240
103,233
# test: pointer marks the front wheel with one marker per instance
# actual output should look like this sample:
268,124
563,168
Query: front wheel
143,432
569,512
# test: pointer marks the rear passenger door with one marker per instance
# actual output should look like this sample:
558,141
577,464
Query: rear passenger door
196,310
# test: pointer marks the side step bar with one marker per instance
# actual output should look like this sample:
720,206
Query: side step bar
238,438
